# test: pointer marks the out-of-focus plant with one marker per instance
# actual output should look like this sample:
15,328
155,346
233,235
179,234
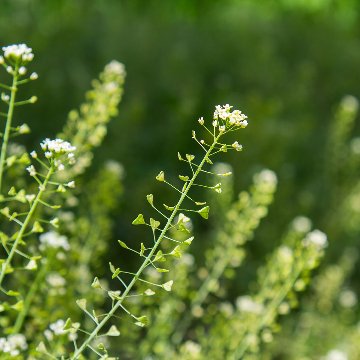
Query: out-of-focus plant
33,276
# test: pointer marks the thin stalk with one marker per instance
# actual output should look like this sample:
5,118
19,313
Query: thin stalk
201,295
9,118
26,222
29,298
94,333
241,349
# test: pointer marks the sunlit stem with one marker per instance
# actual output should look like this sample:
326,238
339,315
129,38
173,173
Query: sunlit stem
118,304
42,188
9,118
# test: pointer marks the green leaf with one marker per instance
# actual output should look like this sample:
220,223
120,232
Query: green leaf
149,292
122,244
176,252
113,331
199,203
154,223
31,265
142,321
139,220
142,249
204,212
180,157
18,306
12,191
168,285
160,176
12,293
159,257
114,295
81,303
68,324
112,267
190,157
223,148
188,241
150,199
183,178
41,348
170,208
37,228
96,283
116,273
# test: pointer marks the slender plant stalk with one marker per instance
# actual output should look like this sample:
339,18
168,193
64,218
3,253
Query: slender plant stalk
29,298
201,295
42,189
94,333
241,349
9,118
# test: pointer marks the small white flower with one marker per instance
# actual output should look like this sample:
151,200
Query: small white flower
54,240
266,176
30,198
71,184
5,97
168,285
22,70
58,327
201,121
317,238
55,280
16,52
348,299
9,70
115,67
34,76
302,224
24,129
31,170
1,60
247,304
237,146
336,355
34,154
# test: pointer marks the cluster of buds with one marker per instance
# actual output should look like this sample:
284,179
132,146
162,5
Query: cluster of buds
18,53
224,118
59,151
15,58
231,118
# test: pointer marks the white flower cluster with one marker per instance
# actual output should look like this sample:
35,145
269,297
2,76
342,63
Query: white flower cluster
58,147
235,117
13,344
54,240
301,224
115,67
316,238
18,52
247,304
57,329
266,176
55,149
335,355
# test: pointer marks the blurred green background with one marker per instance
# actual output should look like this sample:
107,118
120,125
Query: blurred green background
285,63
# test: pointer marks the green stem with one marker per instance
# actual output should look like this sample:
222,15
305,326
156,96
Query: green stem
8,125
29,298
94,333
201,295
244,344
28,218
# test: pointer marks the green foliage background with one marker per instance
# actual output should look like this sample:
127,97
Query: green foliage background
286,64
